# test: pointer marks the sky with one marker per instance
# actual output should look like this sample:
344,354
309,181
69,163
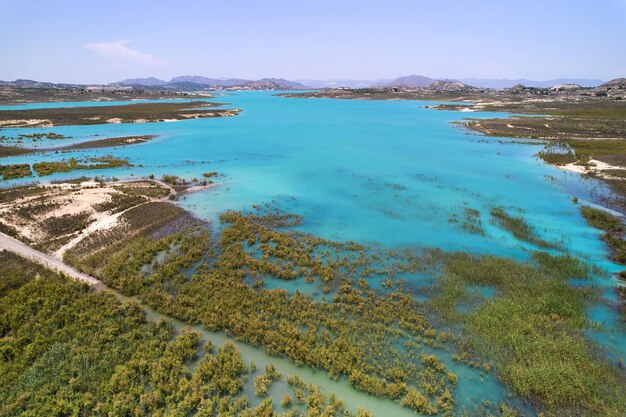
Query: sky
93,41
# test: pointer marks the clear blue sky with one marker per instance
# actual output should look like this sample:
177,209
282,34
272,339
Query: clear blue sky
105,41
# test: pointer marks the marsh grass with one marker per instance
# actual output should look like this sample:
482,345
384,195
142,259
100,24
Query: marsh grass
65,347
72,164
557,158
529,327
14,171
18,192
358,335
531,330
519,228
13,151
602,220
614,230
262,382
469,220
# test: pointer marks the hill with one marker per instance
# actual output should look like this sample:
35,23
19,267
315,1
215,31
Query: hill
150,81
408,81
500,83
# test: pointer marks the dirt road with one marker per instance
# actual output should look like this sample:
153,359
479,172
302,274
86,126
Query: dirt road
13,245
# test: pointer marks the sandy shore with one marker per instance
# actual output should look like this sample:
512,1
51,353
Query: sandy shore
595,166
28,214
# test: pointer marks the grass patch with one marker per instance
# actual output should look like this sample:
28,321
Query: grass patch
469,220
120,202
109,142
141,188
531,330
13,151
557,158
13,171
44,135
66,350
518,227
72,164
602,220
15,193
618,173
614,231
65,224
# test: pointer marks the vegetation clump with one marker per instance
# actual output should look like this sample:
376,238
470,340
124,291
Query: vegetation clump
519,228
65,224
104,358
43,135
612,226
262,382
557,157
13,151
72,164
469,220
13,171
532,330
367,336
120,202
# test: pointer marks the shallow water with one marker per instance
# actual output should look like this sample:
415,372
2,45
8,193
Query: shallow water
352,398
390,173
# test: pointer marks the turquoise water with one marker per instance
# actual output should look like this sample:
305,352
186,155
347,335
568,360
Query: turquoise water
389,173
66,104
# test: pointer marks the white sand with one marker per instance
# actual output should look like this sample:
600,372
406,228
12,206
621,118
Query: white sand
596,167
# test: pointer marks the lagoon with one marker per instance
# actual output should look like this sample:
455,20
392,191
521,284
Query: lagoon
385,173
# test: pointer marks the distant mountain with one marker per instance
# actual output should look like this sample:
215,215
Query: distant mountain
335,83
500,83
198,82
285,83
195,82
36,84
196,79
408,81
150,81
212,82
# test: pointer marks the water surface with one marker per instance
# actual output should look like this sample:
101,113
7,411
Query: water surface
388,173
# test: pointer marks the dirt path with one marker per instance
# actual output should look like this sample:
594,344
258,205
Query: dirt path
13,245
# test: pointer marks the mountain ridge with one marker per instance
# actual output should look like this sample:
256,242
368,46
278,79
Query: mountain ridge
198,82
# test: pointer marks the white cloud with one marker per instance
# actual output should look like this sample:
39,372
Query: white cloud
122,54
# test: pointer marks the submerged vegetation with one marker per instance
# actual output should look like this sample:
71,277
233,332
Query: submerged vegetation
614,228
90,144
100,357
519,228
532,328
469,220
578,131
13,171
355,335
66,350
524,321
72,164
